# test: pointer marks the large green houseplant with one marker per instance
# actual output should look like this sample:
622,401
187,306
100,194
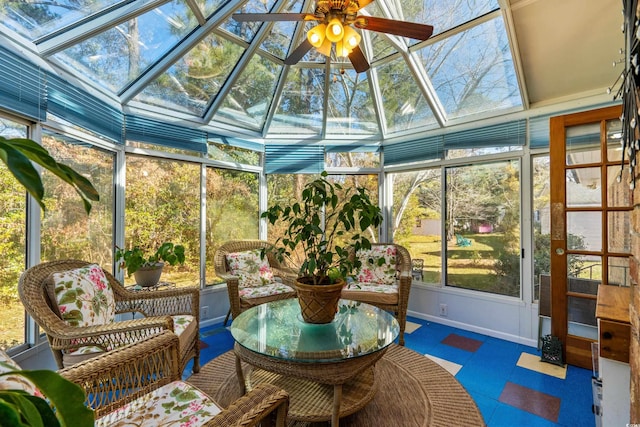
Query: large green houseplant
18,153
136,261
319,224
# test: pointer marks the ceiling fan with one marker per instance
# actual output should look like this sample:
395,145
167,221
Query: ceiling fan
335,19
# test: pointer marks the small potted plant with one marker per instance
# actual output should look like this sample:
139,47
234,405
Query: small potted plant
148,269
315,224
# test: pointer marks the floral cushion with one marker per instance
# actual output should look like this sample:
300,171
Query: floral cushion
273,288
14,382
176,404
373,293
83,296
251,269
374,271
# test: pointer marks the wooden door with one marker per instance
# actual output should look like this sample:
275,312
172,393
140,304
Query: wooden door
591,203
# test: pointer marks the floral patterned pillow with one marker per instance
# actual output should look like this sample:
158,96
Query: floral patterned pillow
84,296
378,265
251,270
14,382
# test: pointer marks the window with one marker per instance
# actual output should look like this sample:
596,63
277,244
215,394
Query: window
232,210
417,223
13,233
162,203
541,221
67,231
483,227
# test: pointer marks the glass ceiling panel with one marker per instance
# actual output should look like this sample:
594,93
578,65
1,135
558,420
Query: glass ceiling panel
35,19
473,71
404,104
350,108
444,14
301,104
248,102
247,30
381,45
196,78
116,57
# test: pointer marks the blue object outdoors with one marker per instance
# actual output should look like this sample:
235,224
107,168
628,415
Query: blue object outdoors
462,241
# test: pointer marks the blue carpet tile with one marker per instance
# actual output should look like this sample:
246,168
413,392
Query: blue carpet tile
506,394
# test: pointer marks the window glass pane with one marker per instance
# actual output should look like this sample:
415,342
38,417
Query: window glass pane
583,144
614,140
584,267
67,231
350,108
619,231
162,204
480,151
232,211
228,153
618,190
483,227
619,271
584,231
541,221
352,160
417,220
13,234
302,103
584,187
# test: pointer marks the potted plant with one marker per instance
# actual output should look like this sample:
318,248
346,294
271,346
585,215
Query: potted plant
148,269
315,225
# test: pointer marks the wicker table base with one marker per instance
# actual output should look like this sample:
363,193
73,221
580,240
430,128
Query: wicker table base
312,401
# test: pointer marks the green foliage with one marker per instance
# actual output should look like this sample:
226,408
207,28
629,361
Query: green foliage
18,153
134,259
66,407
318,220
542,253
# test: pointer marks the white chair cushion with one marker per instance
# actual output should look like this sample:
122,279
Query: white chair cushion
175,404
378,265
251,269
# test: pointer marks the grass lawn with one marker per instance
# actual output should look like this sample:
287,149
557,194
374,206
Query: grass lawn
469,267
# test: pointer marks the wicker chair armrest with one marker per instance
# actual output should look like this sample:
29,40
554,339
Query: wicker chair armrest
111,380
111,335
250,409
166,302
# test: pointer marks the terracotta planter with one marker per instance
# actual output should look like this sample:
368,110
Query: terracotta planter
148,276
319,303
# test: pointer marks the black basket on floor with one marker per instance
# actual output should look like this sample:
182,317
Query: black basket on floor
552,350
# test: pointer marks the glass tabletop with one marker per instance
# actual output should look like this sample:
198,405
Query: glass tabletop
276,329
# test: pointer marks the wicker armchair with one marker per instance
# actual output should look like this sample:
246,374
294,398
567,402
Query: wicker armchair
160,308
237,301
141,384
393,298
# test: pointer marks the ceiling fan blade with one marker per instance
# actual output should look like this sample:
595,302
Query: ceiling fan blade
298,53
358,60
246,17
411,30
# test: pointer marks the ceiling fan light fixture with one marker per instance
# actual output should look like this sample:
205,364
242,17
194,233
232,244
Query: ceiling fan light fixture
342,50
351,37
325,48
316,35
335,30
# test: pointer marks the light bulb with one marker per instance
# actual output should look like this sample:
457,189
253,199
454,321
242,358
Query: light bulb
342,50
351,37
335,30
316,35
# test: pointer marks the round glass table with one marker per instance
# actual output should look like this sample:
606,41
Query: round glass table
327,369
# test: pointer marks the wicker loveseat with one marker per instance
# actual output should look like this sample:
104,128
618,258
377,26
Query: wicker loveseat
80,321
242,293
386,285
140,384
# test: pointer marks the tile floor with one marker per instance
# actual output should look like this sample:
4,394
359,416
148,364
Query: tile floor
508,382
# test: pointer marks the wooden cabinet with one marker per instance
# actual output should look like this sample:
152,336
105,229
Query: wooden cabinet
612,311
